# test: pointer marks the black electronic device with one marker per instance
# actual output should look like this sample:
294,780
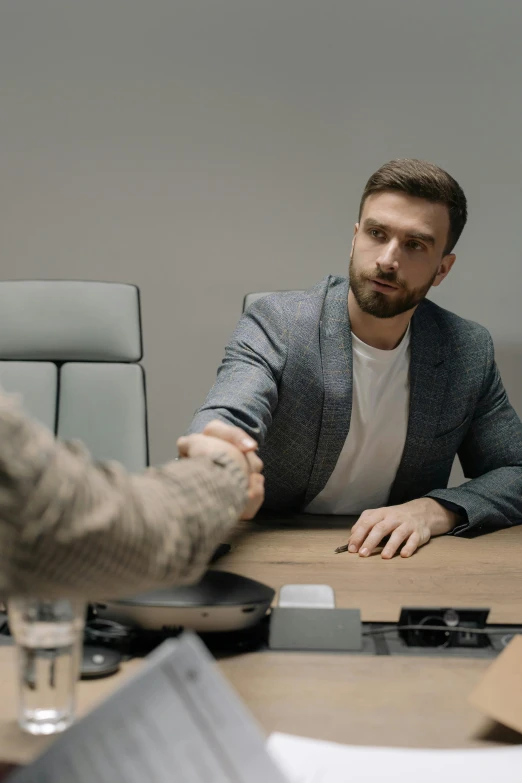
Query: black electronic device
443,627
221,601
98,662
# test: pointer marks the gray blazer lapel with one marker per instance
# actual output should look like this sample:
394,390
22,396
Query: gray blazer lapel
336,360
428,379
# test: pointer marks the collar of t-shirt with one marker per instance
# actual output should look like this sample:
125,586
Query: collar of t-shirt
382,357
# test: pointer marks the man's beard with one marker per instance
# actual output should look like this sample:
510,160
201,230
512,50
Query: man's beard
382,305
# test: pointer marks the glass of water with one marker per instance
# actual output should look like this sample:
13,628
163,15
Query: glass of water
48,637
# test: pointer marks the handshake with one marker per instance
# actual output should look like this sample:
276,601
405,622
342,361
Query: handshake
218,439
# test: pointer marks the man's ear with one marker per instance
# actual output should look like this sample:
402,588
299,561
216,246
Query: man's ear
355,230
444,268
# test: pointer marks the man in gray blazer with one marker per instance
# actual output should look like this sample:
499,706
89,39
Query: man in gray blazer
362,392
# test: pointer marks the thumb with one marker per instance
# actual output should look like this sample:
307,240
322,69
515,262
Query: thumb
183,446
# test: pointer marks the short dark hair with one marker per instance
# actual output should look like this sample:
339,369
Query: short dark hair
423,180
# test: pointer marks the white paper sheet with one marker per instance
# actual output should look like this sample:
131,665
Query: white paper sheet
313,761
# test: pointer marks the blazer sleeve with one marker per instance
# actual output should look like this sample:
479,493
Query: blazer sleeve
246,390
71,526
491,456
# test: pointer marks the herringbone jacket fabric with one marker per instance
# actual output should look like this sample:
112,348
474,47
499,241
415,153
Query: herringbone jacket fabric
73,527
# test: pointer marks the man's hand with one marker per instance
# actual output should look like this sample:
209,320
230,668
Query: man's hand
208,446
205,446
239,438
410,524
234,435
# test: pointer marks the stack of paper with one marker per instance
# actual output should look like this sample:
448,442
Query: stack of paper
313,761
176,721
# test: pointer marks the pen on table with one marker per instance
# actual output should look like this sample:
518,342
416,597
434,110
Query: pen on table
344,547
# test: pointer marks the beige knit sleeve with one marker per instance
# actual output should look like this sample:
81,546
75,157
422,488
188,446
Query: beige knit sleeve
71,526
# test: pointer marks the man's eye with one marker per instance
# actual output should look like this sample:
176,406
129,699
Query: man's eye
415,245
374,232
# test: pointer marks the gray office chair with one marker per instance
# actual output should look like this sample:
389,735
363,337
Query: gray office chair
251,298
71,349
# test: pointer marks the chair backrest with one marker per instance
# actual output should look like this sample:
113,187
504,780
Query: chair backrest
37,384
251,298
71,349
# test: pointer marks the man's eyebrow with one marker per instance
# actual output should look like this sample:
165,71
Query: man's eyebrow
428,238
372,223
423,237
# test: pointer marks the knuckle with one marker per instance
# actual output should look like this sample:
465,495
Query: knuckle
257,465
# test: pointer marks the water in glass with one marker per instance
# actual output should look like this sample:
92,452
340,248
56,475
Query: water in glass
48,636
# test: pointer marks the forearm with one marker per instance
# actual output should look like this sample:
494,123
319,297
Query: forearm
494,497
68,525
208,413
491,457
251,413
245,393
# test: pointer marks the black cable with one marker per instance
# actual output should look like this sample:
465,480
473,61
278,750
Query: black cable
442,628
106,630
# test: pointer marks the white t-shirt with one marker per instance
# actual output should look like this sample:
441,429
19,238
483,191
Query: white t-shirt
370,457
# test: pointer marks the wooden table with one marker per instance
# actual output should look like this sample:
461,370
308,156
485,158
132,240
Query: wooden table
410,702
395,701
485,571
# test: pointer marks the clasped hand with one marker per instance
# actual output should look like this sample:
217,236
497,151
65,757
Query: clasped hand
219,438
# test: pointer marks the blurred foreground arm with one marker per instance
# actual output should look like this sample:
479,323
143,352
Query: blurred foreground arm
71,526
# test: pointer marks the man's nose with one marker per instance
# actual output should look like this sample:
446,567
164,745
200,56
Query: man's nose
389,257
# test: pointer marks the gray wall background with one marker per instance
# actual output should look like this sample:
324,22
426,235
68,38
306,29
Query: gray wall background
205,149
